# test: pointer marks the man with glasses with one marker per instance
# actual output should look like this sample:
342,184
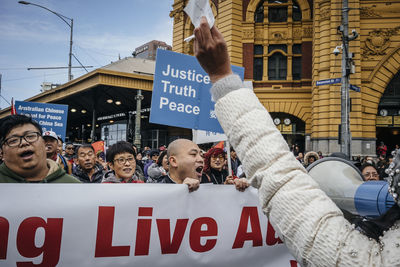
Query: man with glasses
24,154
88,170
121,159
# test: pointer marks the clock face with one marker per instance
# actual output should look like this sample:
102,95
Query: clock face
277,121
287,121
383,112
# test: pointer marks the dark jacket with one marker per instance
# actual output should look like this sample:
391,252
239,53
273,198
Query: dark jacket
165,179
84,177
216,177
56,175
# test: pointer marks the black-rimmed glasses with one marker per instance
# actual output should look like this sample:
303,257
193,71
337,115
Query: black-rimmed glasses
121,161
15,140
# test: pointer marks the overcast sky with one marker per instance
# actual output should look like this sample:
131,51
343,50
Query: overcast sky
103,30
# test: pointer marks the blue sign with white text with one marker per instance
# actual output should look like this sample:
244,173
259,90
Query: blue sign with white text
355,88
181,93
51,117
329,81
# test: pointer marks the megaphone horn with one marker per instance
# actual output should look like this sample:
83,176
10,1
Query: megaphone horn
343,183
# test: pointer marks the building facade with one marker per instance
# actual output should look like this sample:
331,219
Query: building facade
149,50
286,46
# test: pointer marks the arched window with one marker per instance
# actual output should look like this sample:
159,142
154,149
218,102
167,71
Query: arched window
259,14
278,11
277,67
390,99
296,11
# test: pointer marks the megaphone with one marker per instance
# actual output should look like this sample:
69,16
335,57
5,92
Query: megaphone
343,183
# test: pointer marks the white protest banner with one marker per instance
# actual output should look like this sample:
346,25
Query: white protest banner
201,137
135,225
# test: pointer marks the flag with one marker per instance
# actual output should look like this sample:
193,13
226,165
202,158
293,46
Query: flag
13,110
98,147
220,145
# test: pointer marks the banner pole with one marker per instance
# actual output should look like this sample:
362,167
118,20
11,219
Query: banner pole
228,151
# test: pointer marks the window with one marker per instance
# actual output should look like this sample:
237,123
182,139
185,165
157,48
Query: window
258,50
278,11
277,67
296,68
277,14
259,14
296,62
296,49
273,47
258,63
296,11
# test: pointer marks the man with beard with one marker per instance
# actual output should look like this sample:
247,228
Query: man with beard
24,154
88,170
51,142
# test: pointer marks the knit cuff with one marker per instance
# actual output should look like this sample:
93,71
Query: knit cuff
225,85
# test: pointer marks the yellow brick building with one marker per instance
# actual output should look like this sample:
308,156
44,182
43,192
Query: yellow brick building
286,46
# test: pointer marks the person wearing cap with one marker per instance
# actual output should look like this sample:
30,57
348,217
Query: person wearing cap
24,154
51,143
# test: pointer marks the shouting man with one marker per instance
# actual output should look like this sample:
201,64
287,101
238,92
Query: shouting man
24,154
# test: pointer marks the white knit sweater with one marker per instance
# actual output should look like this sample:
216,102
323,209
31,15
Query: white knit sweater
310,224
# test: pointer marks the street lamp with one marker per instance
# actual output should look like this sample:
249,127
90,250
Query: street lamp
70,25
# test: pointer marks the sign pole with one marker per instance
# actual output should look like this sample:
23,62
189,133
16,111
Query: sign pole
228,152
345,137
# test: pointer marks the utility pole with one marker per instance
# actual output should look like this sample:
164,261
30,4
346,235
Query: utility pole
70,25
347,69
0,88
139,98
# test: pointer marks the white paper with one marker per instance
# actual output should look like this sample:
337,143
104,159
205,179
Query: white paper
197,9
201,137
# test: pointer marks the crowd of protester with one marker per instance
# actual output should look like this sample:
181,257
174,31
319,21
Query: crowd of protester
371,168
31,155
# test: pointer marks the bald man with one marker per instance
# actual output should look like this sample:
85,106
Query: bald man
185,164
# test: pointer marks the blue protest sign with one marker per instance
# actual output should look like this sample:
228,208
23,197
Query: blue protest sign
181,93
329,81
51,117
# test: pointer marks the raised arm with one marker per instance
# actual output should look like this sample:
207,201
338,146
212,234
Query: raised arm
310,224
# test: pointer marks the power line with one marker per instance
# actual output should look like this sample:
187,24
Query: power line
5,100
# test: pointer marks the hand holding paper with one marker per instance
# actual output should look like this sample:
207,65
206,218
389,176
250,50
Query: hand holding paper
196,9
211,51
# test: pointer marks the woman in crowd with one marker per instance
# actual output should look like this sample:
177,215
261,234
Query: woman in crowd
369,172
121,159
158,168
310,158
214,162
310,224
